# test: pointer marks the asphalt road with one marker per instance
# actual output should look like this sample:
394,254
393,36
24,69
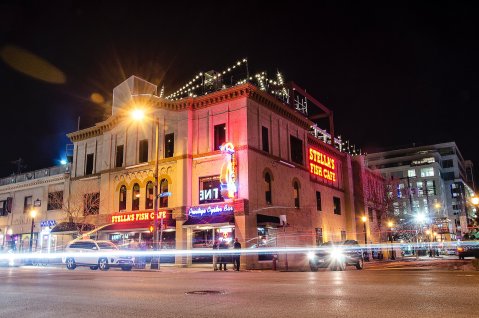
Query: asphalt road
376,291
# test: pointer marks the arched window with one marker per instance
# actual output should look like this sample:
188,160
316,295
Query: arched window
149,195
163,189
296,194
267,180
135,202
122,199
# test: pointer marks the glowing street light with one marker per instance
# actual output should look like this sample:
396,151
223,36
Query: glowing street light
364,219
475,200
138,114
390,225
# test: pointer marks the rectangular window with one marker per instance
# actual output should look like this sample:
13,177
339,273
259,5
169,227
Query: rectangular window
411,173
427,172
400,190
337,205
89,164
143,151
91,203
318,201
3,208
319,236
296,150
447,176
420,191
55,200
265,138
210,190
169,145
220,135
27,204
371,215
447,163
431,187
119,156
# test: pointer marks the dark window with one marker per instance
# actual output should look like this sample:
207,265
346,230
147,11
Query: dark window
55,200
119,156
210,190
447,176
122,199
318,201
265,138
89,164
296,194
370,215
143,154
150,189
220,135
163,190
296,150
267,180
447,163
337,205
135,200
169,145
27,204
91,203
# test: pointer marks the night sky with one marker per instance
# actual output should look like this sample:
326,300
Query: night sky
393,75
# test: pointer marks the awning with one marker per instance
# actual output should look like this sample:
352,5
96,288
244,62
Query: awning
263,219
72,227
142,225
229,219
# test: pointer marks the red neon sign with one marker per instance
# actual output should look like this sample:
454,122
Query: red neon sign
322,165
136,216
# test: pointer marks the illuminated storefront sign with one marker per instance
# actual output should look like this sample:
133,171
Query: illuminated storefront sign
228,171
136,216
210,190
48,223
322,165
199,211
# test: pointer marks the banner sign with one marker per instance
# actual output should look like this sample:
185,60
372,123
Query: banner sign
208,210
128,217
322,165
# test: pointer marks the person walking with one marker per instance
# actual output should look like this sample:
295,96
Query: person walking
215,256
223,257
236,256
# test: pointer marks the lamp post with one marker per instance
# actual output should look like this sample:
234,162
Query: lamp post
138,115
33,213
364,219
390,225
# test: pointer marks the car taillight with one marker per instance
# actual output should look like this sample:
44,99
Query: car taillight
460,249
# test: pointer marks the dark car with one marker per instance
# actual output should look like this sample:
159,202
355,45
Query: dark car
468,248
337,255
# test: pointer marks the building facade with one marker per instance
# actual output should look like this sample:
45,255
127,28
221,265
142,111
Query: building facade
430,181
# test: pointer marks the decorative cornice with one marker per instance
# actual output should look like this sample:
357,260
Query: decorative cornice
32,183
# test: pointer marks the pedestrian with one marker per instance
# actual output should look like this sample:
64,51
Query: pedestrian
236,256
223,257
215,256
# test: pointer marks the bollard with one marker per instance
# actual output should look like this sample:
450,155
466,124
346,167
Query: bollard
275,259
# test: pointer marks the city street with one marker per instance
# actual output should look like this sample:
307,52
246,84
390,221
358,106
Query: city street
399,289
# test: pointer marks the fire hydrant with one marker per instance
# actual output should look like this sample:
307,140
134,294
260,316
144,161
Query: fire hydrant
275,259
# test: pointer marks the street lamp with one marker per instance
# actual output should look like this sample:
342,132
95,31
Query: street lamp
33,213
138,115
390,225
364,219
420,219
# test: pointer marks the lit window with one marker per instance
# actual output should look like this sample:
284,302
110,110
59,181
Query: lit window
122,198
411,173
135,202
427,172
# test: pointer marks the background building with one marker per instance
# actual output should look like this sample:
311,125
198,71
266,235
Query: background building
431,181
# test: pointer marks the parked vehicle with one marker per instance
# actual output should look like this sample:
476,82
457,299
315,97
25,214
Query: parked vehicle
96,255
468,248
337,255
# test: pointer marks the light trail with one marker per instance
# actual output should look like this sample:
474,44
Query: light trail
210,252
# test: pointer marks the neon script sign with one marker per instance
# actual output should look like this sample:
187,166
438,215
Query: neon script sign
210,210
136,216
228,171
322,165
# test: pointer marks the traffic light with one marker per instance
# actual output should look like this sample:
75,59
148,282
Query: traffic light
151,228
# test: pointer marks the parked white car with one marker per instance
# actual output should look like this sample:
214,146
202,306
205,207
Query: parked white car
95,254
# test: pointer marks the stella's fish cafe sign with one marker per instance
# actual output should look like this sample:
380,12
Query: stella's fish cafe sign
322,165
136,216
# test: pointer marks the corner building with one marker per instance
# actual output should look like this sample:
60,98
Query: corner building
237,162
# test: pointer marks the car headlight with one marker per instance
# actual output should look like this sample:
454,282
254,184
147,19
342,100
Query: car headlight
337,253
311,255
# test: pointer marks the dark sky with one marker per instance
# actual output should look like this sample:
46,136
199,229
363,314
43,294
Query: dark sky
393,75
